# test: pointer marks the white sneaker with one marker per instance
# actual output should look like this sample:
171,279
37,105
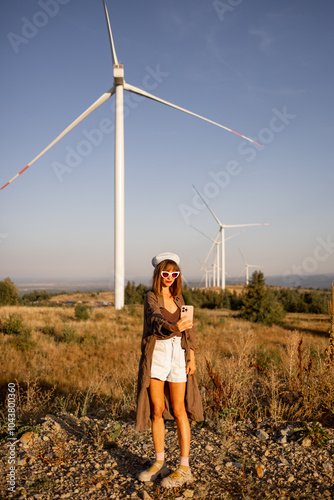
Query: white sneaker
177,478
153,472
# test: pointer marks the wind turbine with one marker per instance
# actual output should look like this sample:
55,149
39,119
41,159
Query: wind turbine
119,85
247,266
222,228
216,243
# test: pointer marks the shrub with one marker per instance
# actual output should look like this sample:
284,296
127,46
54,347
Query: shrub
99,316
69,335
49,330
312,302
289,299
13,325
316,303
36,296
9,294
236,301
193,297
81,312
219,392
260,304
313,431
209,299
271,311
23,341
20,335
133,294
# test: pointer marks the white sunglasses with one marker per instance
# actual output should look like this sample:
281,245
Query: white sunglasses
173,275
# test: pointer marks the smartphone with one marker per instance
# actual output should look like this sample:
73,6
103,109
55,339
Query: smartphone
187,311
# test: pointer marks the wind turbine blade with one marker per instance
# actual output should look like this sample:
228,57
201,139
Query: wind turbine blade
243,225
212,246
111,40
199,286
186,281
217,237
207,206
139,91
243,258
209,237
88,111
233,235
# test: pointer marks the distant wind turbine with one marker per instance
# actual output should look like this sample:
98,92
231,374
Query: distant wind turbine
216,243
247,266
222,228
118,87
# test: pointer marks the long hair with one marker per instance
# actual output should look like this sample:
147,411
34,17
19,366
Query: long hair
176,287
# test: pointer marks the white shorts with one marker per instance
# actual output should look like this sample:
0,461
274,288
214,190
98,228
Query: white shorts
169,362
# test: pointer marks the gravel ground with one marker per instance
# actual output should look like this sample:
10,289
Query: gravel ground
96,458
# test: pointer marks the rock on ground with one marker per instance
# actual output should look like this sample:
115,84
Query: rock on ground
90,458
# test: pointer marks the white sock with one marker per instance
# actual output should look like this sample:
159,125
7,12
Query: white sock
160,456
184,461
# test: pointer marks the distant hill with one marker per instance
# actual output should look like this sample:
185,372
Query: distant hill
90,284
292,281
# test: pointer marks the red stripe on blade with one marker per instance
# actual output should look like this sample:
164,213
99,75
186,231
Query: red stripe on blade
248,139
25,168
234,132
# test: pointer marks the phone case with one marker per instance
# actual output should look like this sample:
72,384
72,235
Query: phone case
187,311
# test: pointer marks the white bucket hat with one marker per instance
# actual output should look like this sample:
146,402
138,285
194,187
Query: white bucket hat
165,256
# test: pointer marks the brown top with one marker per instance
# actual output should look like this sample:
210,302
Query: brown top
171,318
156,326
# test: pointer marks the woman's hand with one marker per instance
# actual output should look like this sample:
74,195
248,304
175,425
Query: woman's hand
191,365
183,324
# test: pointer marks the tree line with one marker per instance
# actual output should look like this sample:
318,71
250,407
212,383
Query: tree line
258,302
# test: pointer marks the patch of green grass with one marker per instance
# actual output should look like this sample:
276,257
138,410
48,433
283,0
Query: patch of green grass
40,484
36,429
266,357
315,432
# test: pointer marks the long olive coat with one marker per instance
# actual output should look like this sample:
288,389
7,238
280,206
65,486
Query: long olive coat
157,327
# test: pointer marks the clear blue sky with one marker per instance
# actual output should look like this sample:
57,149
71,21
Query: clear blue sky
264,69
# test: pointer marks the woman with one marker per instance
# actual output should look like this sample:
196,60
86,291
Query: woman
167,387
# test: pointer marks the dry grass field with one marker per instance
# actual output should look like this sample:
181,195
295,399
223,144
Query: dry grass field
87,297
244,370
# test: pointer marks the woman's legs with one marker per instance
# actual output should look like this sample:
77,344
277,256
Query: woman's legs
158,406
159,467
183,474
177,394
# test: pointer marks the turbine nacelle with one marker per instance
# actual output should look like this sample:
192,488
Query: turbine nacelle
118,74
